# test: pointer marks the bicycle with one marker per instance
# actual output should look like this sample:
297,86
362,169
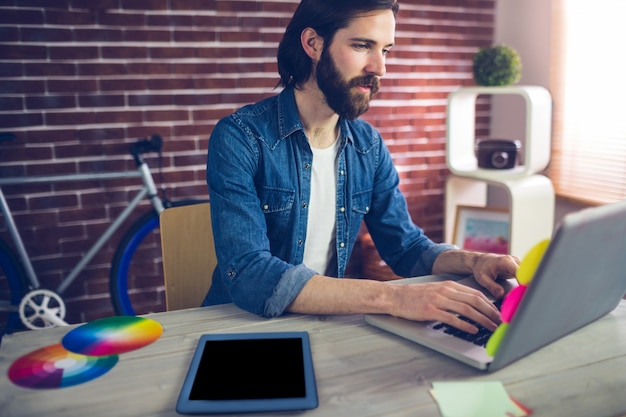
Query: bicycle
25,302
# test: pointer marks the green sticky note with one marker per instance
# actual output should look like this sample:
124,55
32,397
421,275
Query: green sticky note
474,399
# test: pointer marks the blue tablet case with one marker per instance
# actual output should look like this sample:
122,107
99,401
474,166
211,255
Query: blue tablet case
249,372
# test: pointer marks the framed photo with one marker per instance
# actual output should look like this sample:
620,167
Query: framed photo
482,229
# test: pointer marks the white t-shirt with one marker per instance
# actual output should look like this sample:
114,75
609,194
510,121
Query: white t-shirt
320,242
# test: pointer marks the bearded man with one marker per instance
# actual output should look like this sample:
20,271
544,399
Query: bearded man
292,178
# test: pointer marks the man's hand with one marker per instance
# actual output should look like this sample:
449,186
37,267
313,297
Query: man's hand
487,268
444,301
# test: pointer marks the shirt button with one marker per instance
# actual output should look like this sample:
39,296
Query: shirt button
304,205
367,209
300,242
341,245
341,172
307,166
343,209
266,207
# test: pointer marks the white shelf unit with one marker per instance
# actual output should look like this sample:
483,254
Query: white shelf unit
530,195
530,205
461,126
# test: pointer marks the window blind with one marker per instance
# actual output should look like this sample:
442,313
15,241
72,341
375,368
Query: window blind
589,91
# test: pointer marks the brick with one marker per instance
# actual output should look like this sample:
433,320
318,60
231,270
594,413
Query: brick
199,128
76,215
113,18
144,4
22,52
284,8
93,69
8,121
11,69
194,68
101,100
208,22
97,35
45,35
150,100
237,6
123,84
150,68
124,52
95,4
171,53
215,83
202,35
73,53
9,34
195,99
49,136
69,17
11,103
50,102
194,5
36,219
170,20
50,69
53,201
115,117
152,116
239,36
170,84
73,118
147,36
20,17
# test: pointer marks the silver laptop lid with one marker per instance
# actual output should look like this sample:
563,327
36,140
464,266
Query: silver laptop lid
581,277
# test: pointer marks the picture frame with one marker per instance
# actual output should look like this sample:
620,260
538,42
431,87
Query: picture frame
482,229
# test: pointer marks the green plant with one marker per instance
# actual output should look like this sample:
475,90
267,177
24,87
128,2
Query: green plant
497,66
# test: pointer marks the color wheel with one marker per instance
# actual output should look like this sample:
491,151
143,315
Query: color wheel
55,367
112,335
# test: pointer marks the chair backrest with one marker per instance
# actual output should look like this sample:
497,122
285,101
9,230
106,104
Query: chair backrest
188,254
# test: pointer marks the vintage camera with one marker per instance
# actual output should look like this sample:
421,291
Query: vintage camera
497,153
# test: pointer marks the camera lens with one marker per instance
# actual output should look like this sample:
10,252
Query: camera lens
499,159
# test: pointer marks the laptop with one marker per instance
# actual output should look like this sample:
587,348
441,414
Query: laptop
581,278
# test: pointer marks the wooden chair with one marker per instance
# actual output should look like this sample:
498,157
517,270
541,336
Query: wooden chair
188,254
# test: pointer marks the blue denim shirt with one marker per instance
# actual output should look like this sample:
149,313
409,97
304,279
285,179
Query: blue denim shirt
259,176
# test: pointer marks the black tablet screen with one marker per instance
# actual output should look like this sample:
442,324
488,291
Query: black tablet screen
250,369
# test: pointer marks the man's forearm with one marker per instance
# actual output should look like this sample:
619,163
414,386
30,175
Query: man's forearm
326,295
455,261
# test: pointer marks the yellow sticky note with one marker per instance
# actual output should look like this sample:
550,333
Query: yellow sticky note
530,262
494,340
475,399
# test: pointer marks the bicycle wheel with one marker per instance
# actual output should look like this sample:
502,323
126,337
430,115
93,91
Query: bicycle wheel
136,279
12,289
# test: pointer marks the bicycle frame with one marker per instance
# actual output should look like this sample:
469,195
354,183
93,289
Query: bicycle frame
149,189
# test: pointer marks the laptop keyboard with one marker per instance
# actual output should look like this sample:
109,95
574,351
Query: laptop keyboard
479,338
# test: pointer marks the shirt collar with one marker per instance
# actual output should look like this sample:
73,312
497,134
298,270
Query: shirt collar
289,120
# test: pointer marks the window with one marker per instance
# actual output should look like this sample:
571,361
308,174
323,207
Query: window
589,90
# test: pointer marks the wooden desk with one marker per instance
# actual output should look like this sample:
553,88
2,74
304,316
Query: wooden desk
361,371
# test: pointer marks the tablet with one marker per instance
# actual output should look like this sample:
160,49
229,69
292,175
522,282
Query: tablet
249,372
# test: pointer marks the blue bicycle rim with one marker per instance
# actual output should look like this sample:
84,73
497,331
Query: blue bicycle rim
15,288
125,260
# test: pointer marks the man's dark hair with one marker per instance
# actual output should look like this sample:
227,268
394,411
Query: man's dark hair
326,17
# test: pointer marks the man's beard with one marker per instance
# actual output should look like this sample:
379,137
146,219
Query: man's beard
338,94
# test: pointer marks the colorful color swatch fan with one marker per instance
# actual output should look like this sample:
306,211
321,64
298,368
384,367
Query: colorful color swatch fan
112,335
525,273
86,352
55,367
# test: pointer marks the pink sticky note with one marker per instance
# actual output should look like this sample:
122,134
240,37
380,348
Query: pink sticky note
511,302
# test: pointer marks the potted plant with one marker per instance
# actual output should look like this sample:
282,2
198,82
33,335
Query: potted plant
497,66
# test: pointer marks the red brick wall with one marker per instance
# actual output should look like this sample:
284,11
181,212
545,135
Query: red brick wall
81,79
